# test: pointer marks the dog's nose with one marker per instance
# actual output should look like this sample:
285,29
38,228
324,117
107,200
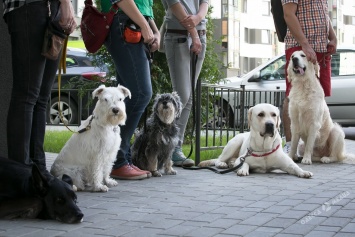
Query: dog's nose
165,102
295,61
115,110
269,127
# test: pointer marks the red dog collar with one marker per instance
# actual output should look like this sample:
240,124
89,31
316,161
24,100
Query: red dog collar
265,154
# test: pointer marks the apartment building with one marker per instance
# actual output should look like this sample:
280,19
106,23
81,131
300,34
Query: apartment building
248,36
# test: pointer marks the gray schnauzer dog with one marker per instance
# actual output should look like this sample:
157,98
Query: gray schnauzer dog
154,145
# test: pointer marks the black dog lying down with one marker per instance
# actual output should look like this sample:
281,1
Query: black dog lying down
26,193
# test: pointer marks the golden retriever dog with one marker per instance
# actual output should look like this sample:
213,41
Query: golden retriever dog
261,147
309,114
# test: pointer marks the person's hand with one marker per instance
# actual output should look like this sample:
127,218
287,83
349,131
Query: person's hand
310,54
147,34
155,45
67,19
331,47
196,46
191,21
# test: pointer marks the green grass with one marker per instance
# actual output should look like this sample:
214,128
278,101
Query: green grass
55,140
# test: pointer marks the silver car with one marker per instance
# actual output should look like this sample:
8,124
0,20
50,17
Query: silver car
271,76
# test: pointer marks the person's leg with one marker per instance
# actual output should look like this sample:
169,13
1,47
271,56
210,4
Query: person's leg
26,27
325,72
286,125
133,72
179,57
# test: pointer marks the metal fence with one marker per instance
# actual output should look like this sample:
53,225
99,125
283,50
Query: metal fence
221,113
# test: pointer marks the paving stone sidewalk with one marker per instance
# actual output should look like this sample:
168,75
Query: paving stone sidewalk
202,203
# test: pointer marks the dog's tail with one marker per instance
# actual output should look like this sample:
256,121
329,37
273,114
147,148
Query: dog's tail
349,159
207,163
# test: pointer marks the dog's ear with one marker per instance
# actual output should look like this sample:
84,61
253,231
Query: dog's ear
178,104
250,113
316,69
125,91
40,182
278,122
98,91
67,179
289,71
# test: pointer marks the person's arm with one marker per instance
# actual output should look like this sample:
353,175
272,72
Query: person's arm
193,20
155,45
67,19
293,24
180,13
131,10
333,41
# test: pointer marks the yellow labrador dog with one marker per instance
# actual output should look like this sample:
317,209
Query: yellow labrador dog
261,147
309,114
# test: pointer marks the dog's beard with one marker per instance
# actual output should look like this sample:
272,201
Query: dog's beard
166,113
116,119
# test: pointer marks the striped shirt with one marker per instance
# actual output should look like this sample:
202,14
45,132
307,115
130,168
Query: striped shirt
314,20
10,5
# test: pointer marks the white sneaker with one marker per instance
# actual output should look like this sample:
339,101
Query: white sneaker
287,147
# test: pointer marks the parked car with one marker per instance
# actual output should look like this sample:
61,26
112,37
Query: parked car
271,77
79,66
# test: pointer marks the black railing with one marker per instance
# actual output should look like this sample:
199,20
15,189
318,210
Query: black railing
221,113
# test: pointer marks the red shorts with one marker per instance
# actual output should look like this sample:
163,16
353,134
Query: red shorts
325,69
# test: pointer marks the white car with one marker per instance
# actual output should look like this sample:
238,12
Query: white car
271,77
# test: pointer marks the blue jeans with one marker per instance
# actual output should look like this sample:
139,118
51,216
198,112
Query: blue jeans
33,76
177,51
133,72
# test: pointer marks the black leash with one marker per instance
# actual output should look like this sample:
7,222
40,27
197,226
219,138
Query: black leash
193,63
242,160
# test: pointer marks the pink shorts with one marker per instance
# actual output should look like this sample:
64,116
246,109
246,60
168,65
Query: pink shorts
325,69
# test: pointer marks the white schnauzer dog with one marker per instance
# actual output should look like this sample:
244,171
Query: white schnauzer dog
154,144
88,155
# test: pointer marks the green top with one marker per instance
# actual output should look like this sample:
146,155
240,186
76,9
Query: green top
144,6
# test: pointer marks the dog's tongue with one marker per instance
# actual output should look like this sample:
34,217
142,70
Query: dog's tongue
301,71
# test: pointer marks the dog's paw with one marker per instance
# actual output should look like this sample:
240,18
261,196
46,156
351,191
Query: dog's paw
325,160
75,189
171,172
221,165
111,182
101,188
306,174
156,173
306,161
243,172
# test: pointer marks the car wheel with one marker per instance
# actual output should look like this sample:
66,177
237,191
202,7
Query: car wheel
67,107
223,115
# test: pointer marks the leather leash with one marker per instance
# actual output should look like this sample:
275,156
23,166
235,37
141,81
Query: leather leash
62,66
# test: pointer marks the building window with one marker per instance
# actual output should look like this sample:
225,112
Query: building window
265,37
265,8
257,36
245,7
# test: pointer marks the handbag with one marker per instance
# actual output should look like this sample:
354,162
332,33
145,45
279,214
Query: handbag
53,42
95,25
54,36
